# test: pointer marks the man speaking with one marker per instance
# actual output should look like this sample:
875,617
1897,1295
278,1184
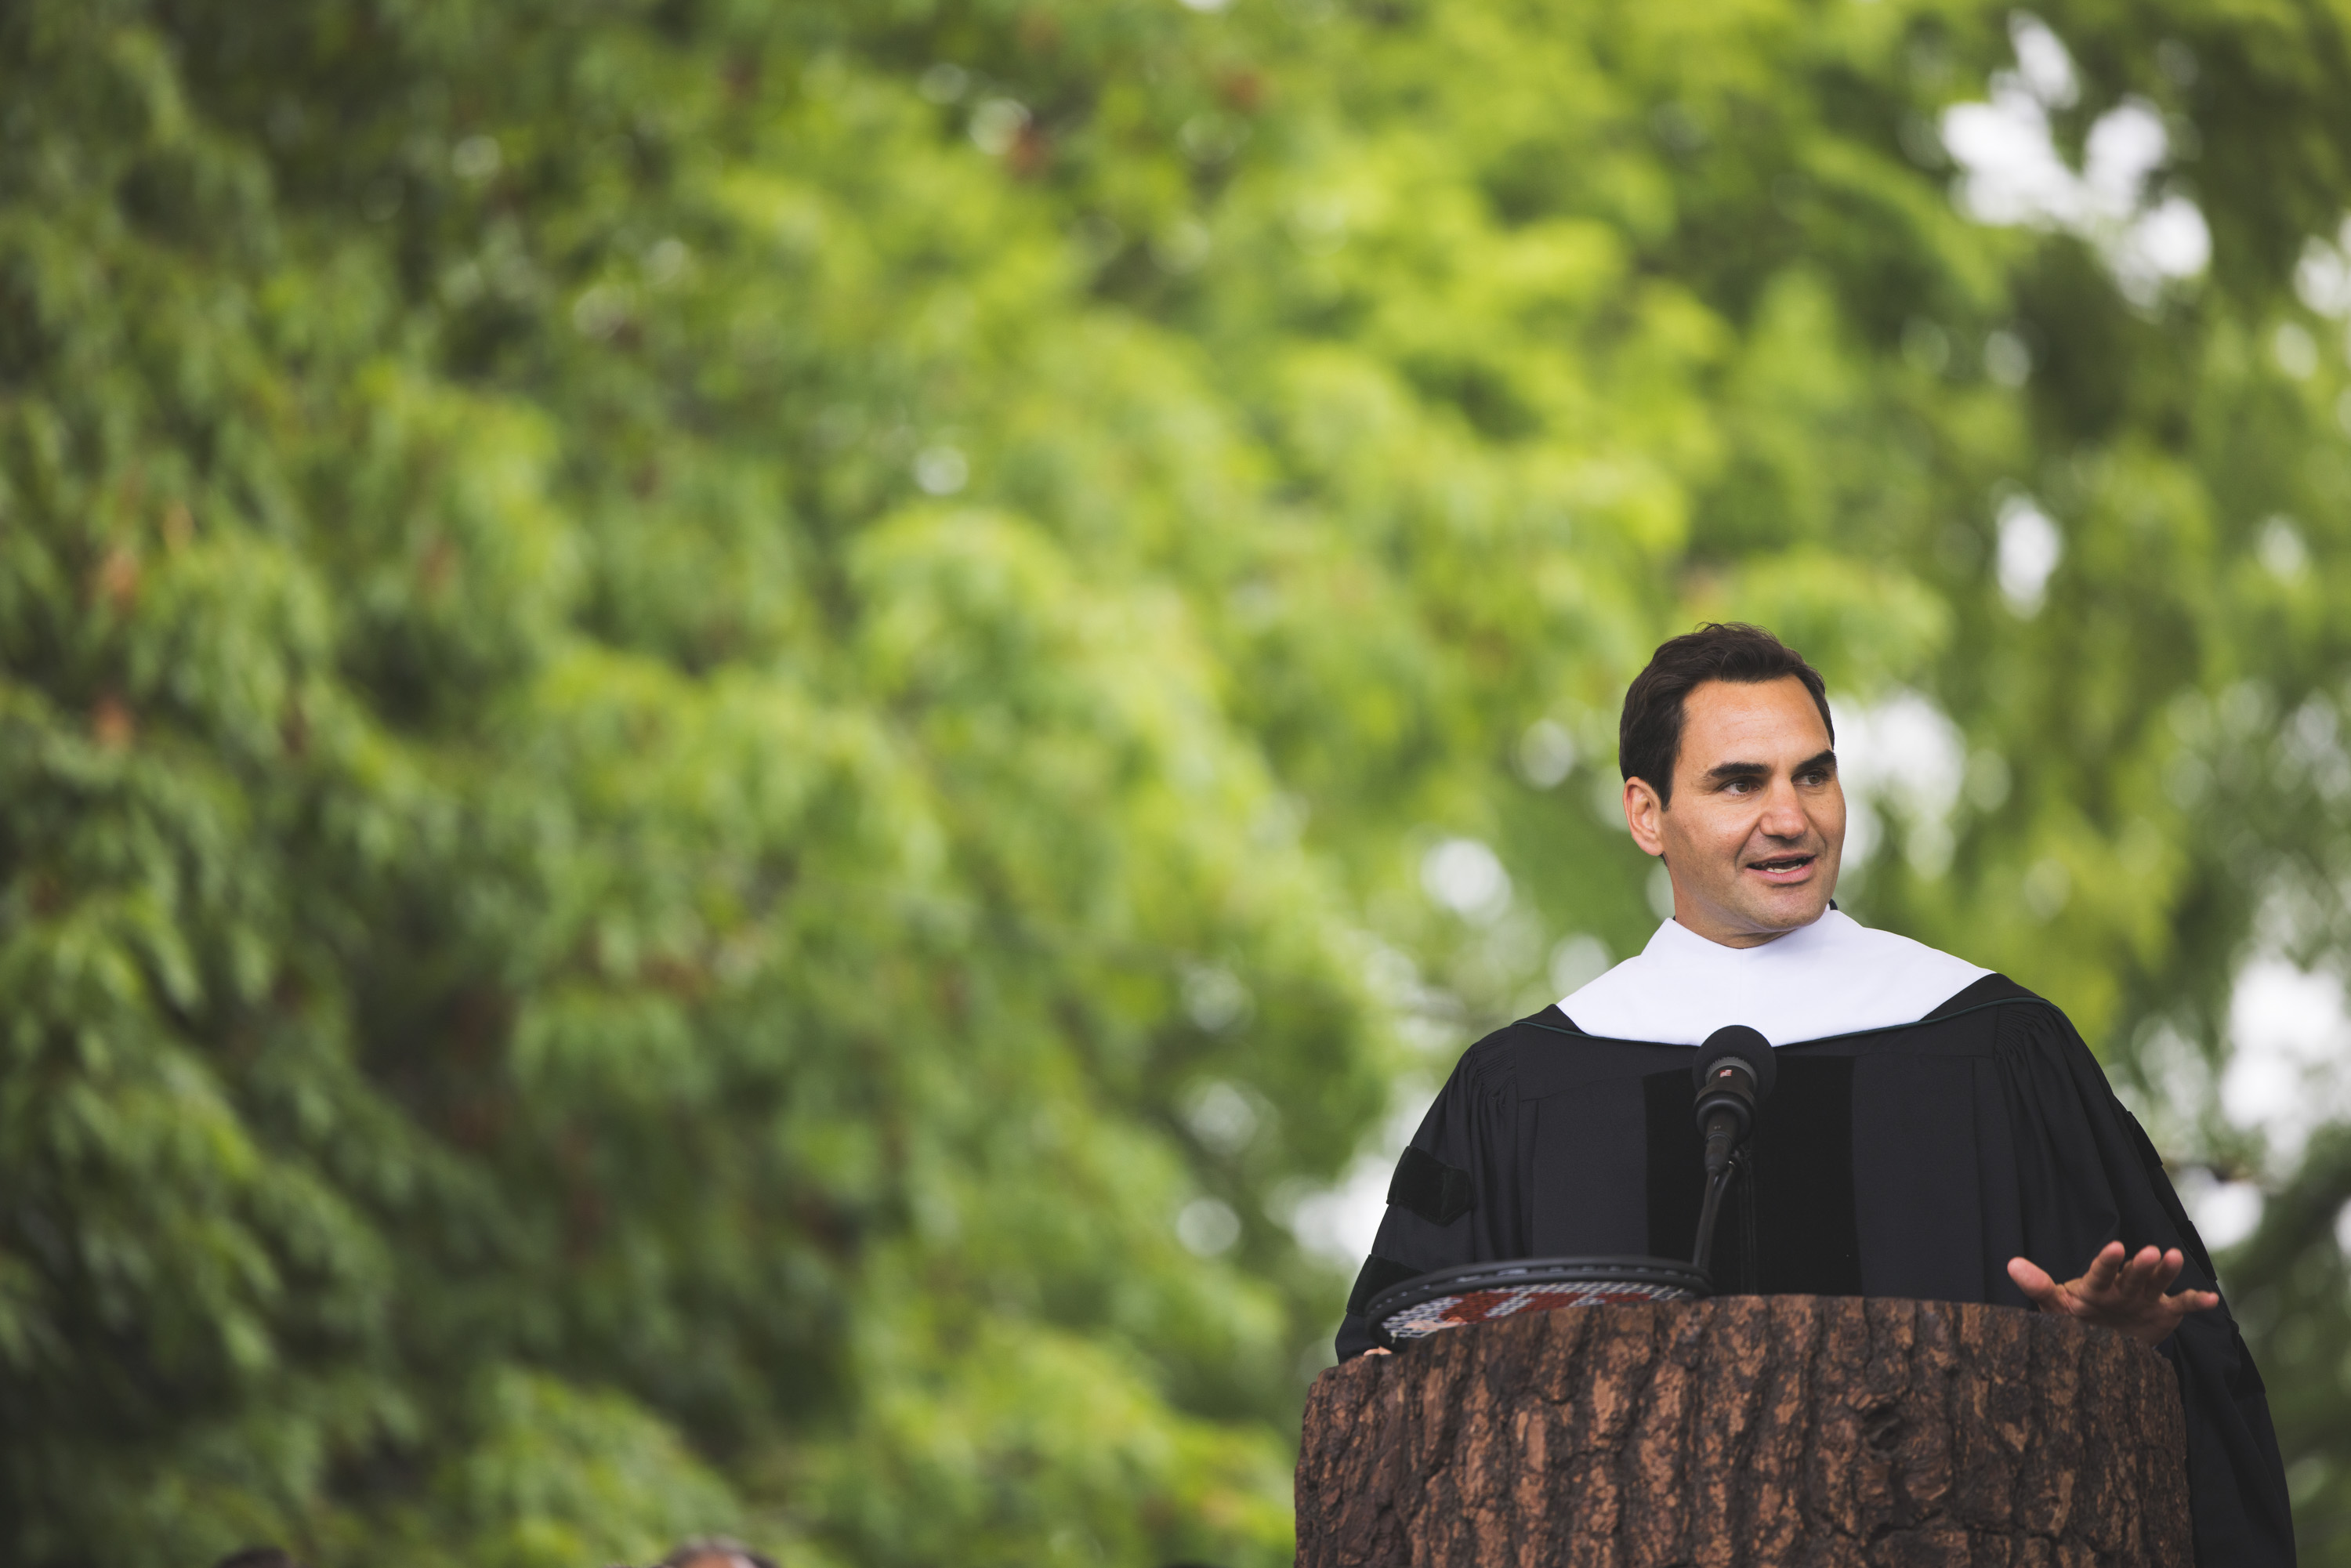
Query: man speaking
1937,1132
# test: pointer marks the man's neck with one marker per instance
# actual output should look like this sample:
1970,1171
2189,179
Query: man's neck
1723,935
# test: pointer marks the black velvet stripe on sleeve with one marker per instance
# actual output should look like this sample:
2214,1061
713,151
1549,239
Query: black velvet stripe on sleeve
1437,1192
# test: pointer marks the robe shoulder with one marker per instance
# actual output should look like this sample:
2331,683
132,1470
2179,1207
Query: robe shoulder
1545,1051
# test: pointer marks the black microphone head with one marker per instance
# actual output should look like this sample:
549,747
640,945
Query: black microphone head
1743,1044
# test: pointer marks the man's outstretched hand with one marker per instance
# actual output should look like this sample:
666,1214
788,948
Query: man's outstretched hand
2116,1293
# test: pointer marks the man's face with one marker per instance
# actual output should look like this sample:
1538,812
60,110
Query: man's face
1757,823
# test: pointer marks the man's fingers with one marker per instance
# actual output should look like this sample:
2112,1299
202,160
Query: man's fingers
2143,1276
2152,1272
2120,1290
2130,1279
2035,1283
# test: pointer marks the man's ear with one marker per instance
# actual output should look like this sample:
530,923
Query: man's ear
1644,816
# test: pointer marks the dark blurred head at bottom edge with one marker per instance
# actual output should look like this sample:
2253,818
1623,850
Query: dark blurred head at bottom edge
715,1551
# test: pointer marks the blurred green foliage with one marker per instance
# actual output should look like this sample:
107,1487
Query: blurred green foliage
702,703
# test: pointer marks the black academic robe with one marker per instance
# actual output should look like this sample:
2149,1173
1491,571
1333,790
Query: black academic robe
1914,1161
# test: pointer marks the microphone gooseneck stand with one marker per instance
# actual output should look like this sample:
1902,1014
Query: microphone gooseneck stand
1734,1073
1717,1183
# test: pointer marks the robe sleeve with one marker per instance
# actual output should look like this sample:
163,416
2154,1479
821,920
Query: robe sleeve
1457,1196
2088,1175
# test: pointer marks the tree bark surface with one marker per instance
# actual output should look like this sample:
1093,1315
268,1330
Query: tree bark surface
1782,1430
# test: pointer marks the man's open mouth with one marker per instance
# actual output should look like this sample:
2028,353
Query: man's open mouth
1781,864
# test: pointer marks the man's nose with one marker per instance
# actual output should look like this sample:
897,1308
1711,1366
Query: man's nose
1783,814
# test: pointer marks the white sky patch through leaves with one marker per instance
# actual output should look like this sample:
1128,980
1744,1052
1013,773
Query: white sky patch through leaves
2013,173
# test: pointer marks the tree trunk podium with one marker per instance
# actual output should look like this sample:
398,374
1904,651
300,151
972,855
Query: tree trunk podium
1779,1431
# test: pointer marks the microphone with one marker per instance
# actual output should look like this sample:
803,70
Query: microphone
1734,1074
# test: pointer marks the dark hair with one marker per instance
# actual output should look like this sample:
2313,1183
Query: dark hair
723,1549
1649,735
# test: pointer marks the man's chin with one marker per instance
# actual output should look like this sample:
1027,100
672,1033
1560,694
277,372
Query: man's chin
1782,910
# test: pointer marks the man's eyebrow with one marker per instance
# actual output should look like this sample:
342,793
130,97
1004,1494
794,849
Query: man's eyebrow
1729,770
